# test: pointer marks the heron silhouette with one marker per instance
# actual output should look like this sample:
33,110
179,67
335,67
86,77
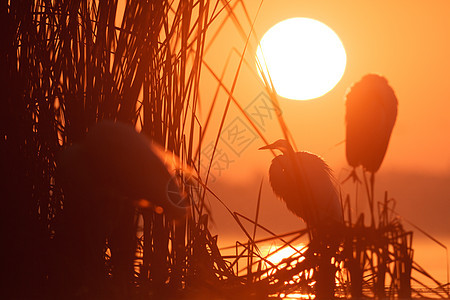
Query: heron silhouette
304,182
371,111
105,178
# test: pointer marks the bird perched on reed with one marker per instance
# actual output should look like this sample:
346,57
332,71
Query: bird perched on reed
304,182
105,178
371,111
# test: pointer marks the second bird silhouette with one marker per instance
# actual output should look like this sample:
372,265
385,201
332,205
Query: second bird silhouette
371,111
105,178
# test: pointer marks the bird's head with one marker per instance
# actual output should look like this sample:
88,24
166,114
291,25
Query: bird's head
281,145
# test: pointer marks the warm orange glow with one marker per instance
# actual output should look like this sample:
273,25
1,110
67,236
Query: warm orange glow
159,210
277,254
144,203
304,58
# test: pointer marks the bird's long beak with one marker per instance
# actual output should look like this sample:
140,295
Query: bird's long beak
270,146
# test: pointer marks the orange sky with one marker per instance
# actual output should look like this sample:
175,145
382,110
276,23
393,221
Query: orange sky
408,42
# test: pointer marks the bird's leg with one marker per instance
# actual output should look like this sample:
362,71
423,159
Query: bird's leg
325,276
357,181
372,187
325,245
369,197
356,198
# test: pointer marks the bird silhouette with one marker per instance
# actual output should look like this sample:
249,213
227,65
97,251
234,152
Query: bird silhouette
105,178
371,111
115,161
304,182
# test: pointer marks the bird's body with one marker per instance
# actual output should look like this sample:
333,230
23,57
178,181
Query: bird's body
104,179
371,111
324,198
116,161
304,182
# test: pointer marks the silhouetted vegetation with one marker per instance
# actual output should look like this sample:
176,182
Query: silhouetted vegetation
65,67
68,65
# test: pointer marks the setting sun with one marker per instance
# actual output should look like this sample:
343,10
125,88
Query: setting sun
304,58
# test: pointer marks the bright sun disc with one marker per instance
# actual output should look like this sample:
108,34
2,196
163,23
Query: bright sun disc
304,57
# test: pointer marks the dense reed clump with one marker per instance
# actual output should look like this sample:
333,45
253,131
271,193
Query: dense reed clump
68,65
